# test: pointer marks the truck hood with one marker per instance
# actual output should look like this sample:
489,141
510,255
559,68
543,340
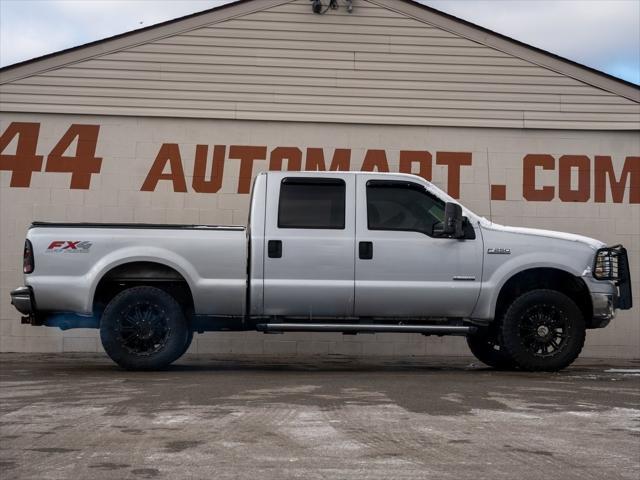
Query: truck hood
569,237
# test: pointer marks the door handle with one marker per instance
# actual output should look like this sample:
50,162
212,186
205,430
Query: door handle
274,248
365,250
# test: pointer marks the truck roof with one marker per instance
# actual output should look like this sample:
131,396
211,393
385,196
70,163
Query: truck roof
321,173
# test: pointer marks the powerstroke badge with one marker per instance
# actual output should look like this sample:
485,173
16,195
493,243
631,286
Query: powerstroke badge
67,246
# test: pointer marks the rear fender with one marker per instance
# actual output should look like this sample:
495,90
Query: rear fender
138,254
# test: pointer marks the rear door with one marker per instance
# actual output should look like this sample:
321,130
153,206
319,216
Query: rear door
309,245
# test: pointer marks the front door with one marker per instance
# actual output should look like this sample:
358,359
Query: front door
309,245
402,268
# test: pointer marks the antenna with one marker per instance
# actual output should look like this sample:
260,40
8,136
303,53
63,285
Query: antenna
489,184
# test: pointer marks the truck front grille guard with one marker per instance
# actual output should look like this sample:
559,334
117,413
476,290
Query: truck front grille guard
612,263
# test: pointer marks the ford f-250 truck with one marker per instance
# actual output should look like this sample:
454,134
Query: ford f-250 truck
349,252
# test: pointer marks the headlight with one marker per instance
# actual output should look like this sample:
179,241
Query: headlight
607,262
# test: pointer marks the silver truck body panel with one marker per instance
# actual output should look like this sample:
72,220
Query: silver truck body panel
528,249
412,273
211,260
315,276
320,272
257,245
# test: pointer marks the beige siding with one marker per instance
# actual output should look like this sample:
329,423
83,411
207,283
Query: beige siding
376,66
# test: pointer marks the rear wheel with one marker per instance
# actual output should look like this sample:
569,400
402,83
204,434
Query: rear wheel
187,343
543,330
143,328
486,347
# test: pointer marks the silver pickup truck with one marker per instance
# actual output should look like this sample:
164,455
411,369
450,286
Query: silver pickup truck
346,252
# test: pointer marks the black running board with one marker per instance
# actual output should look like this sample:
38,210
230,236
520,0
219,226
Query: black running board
366,328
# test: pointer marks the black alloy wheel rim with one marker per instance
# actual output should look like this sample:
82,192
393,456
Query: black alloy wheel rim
143,328
544,330
493,342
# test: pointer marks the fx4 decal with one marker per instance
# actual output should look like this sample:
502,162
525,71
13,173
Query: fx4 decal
67,246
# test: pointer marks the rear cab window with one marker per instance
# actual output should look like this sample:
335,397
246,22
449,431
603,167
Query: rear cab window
312,203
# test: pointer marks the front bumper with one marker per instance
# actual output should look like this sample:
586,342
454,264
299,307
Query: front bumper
22,298
604,306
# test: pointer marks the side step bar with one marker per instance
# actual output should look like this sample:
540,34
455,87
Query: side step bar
365,328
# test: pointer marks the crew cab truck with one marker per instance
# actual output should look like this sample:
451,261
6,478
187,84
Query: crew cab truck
349,252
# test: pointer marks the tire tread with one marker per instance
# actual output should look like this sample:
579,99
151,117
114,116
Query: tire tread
158,360
512,342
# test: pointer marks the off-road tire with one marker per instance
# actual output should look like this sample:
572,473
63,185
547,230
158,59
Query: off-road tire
526,321
187,343
487,347
144,328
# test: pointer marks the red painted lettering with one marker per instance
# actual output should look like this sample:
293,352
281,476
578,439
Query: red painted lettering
567,164
529,189
246,155
169,154
292,155
375,160
25,161
84,163
341,160
453,161
630,175
200,183
421,158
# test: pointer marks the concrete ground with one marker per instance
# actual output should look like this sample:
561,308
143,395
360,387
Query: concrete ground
81,417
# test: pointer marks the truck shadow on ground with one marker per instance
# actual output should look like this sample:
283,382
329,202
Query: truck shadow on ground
468,366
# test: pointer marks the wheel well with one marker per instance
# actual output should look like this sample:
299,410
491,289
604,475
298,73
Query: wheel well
142,273
547,278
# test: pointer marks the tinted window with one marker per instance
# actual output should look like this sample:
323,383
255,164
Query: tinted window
311,203
402,206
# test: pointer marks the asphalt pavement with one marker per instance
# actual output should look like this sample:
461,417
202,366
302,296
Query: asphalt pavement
276,418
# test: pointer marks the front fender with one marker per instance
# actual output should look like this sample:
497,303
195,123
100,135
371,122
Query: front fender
495,276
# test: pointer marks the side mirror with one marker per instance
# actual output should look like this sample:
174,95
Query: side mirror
452,224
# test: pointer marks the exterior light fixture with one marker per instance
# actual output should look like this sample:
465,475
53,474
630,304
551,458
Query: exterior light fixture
317,7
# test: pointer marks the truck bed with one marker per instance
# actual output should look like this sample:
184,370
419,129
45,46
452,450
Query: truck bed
72,258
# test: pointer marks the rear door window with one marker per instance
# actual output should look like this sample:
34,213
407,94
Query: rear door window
312,203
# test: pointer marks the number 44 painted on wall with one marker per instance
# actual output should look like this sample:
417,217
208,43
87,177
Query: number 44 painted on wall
25,161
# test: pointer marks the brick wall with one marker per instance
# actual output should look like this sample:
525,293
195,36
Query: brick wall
129,147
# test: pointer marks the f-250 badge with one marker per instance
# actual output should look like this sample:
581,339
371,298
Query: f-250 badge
67,246
499,251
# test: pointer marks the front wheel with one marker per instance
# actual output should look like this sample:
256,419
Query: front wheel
143,328
543,330
487,348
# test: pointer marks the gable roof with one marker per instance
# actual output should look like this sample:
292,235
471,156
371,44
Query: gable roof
131,38
451,34
516,43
